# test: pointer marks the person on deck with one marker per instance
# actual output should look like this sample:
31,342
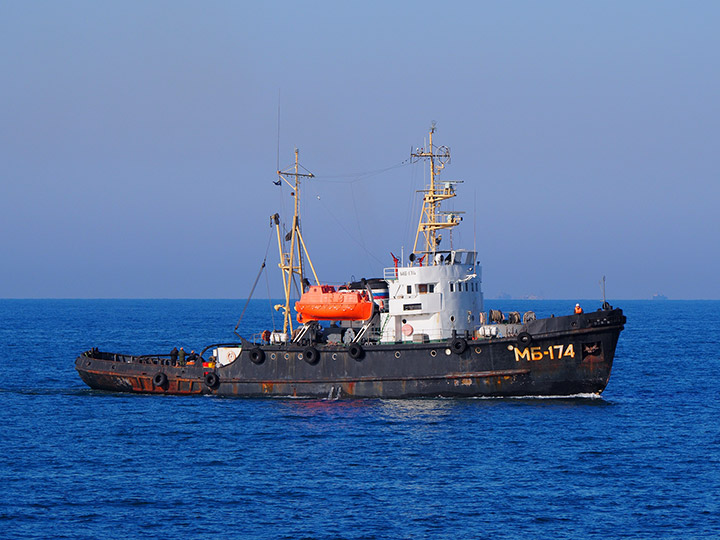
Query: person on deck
174,354
181,357
578,309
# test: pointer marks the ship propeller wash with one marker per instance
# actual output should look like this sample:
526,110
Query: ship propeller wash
419,330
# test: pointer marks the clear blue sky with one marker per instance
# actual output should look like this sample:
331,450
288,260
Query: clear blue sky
138,141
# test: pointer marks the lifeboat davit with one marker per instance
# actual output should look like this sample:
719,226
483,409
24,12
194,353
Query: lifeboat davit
324,303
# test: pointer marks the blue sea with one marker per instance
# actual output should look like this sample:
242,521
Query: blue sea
642,461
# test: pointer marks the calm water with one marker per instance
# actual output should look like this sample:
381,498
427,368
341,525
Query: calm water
641,462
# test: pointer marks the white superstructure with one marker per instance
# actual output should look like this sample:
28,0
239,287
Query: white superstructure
434,301
439,295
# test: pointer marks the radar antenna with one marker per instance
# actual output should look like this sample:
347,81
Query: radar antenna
430,216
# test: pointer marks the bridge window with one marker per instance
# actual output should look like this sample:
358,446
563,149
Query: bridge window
412,307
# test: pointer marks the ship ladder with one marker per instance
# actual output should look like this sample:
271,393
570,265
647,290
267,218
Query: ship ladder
302,331
363,331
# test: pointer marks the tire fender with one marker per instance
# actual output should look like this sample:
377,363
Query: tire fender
257,355
458,345
160,379
212,380
356,351
311,355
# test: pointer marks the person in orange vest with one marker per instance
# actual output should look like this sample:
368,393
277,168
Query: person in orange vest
578,309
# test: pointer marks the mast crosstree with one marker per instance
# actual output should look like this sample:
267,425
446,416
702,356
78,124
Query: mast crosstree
292,261
432,219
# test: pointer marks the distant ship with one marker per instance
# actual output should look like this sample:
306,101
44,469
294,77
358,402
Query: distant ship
420,330
658,296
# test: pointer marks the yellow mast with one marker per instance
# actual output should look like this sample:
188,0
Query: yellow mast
430,215
291,262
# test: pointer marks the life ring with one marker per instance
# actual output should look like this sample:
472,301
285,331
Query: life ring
458,345
523,338
266,335
160,379
311,355
356,351
257,355
212,380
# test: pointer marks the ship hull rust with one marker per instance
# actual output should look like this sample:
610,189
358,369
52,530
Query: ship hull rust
564,356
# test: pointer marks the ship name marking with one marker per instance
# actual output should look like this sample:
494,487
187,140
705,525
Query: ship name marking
538,353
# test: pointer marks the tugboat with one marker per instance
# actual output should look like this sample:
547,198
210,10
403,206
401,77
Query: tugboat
418,331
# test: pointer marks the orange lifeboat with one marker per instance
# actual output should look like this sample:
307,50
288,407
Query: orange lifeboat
324,303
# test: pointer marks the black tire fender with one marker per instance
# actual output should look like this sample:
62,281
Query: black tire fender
257,355
311,355
356,351
523,338
458,345
160,379
212,380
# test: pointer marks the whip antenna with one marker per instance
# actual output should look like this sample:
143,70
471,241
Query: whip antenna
277,161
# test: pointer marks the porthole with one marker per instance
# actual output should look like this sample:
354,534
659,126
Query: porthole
334,356
510,347
273,356
397,354
448,352
433,353
478,350
287,356
452,318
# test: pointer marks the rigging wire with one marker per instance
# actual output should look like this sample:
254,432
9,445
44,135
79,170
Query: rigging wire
475,221
350,178
412,206
277,164
356,177
262,267
349,234
357,217
272,316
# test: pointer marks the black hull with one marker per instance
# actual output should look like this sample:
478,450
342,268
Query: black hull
564,356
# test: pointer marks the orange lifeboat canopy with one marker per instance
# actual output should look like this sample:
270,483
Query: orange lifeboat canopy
324,303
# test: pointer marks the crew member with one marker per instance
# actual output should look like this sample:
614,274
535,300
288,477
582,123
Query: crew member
578,309
181,357
174,354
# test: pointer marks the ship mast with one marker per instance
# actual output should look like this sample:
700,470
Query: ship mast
291,261
432,219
